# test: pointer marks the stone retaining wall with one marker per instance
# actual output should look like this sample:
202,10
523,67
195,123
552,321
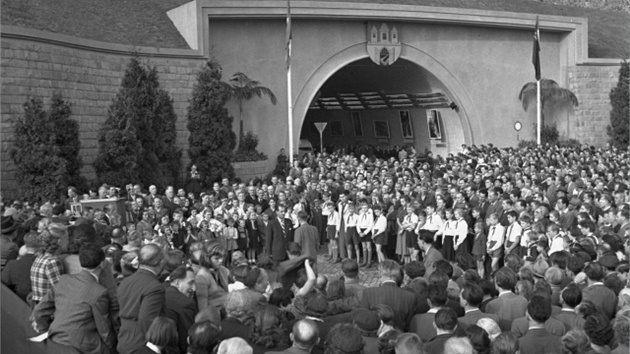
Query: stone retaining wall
249,170
88,74
592,84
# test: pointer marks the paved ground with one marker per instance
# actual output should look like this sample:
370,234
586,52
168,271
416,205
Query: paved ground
367,276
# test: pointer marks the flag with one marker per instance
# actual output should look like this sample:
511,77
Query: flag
536,51
289,35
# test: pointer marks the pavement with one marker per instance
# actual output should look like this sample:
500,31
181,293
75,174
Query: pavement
367,276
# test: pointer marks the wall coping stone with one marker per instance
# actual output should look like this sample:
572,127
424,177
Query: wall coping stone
29,34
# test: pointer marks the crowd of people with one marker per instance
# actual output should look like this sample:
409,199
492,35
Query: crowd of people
485,251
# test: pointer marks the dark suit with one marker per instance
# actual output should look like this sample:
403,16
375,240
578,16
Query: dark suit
495,208
181,309
604,299
472,316
436,345
17,275
275,243
422,325
402,302
508,307
552,325
141,298
291,350
570,319
232,327
538,340
80,307
307,237
431,256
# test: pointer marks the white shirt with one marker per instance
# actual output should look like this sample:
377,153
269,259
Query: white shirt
461,231
410,221
380,225
334,219
496,234
557,244
365,221
514,230
434,222
350,220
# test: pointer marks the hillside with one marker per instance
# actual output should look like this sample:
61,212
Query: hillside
144,22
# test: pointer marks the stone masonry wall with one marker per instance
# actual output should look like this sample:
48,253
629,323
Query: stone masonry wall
592,84
89,79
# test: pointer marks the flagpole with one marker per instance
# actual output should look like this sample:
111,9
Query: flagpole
536,61
290,114
289,89
538,113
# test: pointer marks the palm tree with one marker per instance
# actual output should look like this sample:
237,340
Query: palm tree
550,93
244,89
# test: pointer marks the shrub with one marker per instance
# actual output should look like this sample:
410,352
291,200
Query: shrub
527,144
45,150
619,97
247,150
66,132
549,134
211,139
137,141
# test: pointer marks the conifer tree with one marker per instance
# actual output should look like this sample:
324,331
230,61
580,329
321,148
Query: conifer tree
137,141
67,138
211,139
41,171
619,115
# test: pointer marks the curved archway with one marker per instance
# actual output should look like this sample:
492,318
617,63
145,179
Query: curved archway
469,120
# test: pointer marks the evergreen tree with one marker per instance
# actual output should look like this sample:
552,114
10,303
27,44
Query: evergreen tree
41,171
211,138
136,142
66,132
619,115
168,154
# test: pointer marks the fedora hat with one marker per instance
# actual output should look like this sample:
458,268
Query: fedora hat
9,224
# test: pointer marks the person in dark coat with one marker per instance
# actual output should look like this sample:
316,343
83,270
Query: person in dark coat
178,303
141,298
445,324
277,231
307,237
17,273
402,302
537,340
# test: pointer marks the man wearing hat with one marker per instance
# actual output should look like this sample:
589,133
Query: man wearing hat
8,248
368,323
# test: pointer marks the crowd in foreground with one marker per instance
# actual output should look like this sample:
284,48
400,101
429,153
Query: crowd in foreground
487,251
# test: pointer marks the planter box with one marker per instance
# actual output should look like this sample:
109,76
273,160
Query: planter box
249,170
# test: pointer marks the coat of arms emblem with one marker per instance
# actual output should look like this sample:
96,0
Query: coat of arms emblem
383,43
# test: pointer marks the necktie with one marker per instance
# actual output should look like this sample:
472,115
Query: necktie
342,216
281,224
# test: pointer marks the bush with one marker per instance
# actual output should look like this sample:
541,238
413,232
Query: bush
66,132
619,97
211,139
571,143
46,151
137,141
527,144
247,150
